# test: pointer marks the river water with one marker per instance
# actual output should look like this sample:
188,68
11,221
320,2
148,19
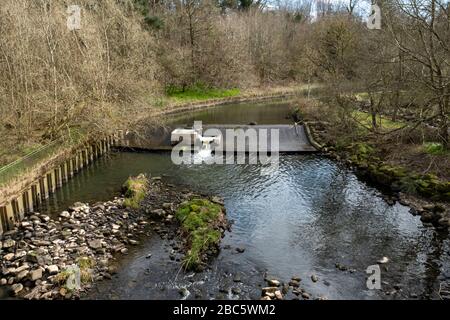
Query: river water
300,220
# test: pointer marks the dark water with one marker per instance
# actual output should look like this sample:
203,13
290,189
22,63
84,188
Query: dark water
300,220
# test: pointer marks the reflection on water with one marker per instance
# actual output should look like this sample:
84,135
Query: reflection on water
272,112
302,219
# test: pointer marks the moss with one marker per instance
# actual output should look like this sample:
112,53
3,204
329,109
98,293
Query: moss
135,189
199,218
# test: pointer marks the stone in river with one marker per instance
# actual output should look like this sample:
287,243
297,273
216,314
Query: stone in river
273,283
17,288
314,278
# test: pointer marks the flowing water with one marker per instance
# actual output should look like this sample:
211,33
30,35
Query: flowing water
300,220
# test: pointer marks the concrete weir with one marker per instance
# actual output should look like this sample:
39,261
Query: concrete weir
292,138
27,196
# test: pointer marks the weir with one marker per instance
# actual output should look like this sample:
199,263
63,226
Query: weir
292,138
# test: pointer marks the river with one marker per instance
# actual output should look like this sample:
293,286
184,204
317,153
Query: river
301,220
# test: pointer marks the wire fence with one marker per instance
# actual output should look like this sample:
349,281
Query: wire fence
32,159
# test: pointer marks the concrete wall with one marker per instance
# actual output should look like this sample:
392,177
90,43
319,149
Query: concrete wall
15,209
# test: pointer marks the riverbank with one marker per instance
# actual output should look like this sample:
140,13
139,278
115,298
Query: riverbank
374,159
62,257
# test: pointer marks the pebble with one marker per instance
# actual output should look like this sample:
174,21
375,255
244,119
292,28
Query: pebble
273,283
314,278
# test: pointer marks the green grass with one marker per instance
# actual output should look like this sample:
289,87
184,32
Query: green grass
135,190
435,148
365,119
201,93
197,218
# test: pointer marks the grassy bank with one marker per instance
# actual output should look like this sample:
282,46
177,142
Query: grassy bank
201,220
200,93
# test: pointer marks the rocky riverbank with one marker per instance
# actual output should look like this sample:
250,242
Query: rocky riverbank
61,258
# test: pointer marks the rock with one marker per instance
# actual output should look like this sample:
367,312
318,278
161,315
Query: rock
383,260
21,269
25,224
217,200
438,208
294,283
8,257
158,212
95,244
427,216
35,257
274,283
266,298
53,269
65,214
3,282
314,278
266,290
183,292
167,205
115,226
236,290
8,243
240,249
305,295
36,274
444,222
278,295
17,288
22,275
237,278
296,278
148,256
